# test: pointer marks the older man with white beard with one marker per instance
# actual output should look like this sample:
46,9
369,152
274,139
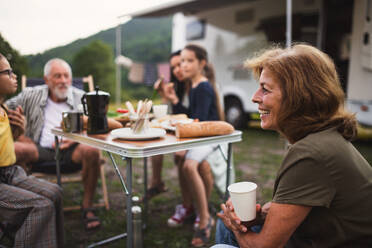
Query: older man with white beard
43,106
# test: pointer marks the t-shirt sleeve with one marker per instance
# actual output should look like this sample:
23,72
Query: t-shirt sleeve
304,182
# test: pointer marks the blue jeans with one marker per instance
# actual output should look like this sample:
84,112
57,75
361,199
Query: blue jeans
225,238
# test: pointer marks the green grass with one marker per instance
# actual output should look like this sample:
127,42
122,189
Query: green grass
256,159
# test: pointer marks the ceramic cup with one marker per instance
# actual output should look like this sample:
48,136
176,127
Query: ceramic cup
160,110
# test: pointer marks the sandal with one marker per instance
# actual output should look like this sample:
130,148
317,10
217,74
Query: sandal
88,220
156,190
201,234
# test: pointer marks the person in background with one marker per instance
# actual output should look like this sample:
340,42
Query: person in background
185,210
203,105
157,185
29,207
212,169
43,106
321,195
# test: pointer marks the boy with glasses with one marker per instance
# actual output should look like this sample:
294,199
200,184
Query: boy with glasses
31,208
7,71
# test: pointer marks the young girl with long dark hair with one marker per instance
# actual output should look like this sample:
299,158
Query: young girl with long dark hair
203,105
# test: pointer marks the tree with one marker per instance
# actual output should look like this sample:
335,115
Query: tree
97,60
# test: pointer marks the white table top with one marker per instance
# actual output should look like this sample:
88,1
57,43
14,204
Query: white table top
139,149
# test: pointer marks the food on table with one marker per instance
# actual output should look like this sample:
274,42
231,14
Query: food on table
158,87
173,117
203,128
123,119
169,122
122,111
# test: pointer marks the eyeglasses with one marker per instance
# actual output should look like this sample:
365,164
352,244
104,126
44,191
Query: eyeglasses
8,71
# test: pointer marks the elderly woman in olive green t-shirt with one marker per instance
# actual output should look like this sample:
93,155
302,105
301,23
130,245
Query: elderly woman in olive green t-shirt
322,190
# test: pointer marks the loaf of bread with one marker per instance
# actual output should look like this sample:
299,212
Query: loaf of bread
203,128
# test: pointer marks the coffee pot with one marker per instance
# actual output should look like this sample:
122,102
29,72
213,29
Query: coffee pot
95,105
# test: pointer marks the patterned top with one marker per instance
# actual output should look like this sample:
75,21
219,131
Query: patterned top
33,101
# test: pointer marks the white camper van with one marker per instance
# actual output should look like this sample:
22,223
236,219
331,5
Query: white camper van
232,30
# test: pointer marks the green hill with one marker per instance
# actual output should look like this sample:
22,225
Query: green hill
143,39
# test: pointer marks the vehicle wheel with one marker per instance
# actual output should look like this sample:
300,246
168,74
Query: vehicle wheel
234,113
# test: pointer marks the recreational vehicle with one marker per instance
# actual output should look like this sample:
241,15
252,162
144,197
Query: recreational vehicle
232,30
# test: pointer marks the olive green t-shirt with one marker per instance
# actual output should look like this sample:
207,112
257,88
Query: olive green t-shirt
326,172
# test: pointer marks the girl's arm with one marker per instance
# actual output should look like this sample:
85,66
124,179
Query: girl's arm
180,109
171,95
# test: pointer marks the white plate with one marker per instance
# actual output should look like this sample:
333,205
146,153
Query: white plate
127,133
168,124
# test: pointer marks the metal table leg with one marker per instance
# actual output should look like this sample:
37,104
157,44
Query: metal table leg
128,194
145,201
229,168
58,167
109,240
129,204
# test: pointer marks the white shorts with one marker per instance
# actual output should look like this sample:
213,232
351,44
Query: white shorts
201,153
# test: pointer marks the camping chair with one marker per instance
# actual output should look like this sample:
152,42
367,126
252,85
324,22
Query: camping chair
49,168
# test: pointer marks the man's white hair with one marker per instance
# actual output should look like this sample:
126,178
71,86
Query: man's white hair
48,66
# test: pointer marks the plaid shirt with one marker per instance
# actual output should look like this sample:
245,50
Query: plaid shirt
33,101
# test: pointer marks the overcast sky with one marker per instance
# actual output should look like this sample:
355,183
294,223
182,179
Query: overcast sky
33,26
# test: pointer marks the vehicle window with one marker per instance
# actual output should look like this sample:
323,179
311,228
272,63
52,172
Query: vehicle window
195,30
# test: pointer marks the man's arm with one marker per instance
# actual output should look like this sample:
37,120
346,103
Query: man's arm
280,223
15,101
